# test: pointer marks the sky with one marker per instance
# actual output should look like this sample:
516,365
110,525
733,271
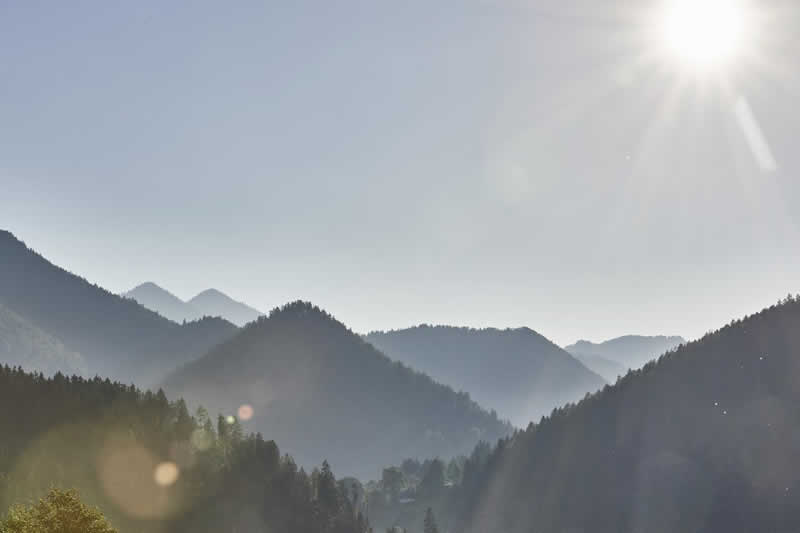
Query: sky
482,163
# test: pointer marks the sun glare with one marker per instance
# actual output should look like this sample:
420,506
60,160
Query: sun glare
704,34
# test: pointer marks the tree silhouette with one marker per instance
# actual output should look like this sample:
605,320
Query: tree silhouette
429,526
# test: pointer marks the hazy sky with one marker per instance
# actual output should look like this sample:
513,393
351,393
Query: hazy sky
397,162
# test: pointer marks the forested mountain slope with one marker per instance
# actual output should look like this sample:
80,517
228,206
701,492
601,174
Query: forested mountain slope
323,392
116,336
151,467
517,372
705,439
23,344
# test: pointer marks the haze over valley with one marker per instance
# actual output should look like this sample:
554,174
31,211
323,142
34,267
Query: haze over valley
518,266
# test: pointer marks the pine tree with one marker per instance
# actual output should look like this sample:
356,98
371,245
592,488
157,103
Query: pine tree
430,522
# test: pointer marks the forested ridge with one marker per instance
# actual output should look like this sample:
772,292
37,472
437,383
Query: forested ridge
116,337
517,372
23,344
111,442
322,391
704,439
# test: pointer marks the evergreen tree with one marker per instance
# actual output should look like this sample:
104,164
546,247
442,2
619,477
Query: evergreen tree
429,525
58,512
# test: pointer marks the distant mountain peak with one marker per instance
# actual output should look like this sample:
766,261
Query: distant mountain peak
148,285
113,336
516,371
211,292
215,302
615,356
210,302
312,382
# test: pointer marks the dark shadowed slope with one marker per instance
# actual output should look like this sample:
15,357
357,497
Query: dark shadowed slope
215,303
23,344
705,439
325,393
629,352
116,337
518,372
164,302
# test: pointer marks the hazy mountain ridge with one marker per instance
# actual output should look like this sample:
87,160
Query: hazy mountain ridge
517,372
704,439
322,391
24,345
116,336
614,357
215,303
210,302
163,302
610,370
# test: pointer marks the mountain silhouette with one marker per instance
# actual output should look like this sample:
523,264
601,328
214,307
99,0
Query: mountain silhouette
517,372
163,302
615,357
324,392
210,302
215,303
704,439
115,336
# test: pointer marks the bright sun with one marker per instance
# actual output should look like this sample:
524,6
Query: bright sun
704,34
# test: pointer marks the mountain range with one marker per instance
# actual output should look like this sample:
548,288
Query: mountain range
613,358
115,337
313,384
323,392
210,302
703,439
517,372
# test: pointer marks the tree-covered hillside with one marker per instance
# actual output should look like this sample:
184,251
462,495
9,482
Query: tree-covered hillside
517,372
151,467
705,439
23,344
115,336
322,391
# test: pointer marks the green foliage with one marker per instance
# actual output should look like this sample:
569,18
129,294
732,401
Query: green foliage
102,437
58,512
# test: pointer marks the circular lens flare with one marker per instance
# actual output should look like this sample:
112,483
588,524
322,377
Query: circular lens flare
245,412
166,473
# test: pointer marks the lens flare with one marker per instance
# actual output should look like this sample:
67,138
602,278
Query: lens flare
166,473
245,412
